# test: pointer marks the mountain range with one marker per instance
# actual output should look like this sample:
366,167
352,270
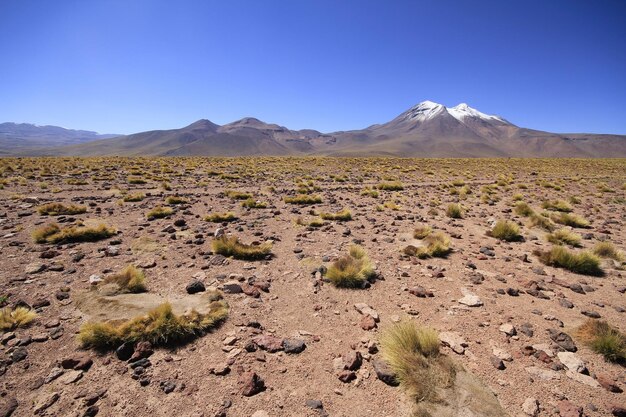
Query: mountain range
427,129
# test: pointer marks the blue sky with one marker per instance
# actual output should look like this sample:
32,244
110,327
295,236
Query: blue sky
125,66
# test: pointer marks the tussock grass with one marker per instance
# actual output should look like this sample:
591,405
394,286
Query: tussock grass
608,250
569,219
133,198
505,230
251,203
369,193
174,200
421,231
436,245
351,270
159,212
390,186
455,211
221,217
343,215
11,319
413,354
136,180
303,199
584,263
230,246
238,195
541,221
604,339
58,209
564,236
130,280
52,233
523,209
159,327
557,205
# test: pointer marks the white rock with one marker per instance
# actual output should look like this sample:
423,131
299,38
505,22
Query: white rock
508,329
470,300
95,279
531,407
454,340
367,311
545,374
582,378
572,361
502,354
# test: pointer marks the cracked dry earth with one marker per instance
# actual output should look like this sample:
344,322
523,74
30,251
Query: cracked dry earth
494,303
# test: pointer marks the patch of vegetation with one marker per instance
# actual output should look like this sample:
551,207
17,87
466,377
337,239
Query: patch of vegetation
569,219
506,230
352,270
523,209
584,263
58,209
343,215
159,327
136,180
133,198
541,221
413,354
369,192
304,199
11,319
238,195
159,212
557,205
421,231
455,211
608,250
174,200
221,217
564,236
251,203
604,339
391,186
130,280
230,246
52,233
435,245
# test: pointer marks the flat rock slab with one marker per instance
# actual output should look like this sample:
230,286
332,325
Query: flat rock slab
97,307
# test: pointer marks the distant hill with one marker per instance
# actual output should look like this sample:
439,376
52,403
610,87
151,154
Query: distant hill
427,129
21,138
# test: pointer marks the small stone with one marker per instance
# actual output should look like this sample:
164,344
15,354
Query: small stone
530,407
567,409
125,351
294,345
314,404
608,383
572,362
7,406
250,384
195,287
368,323
232,287
562,339
508,329
71,377
45,401
346,376
167,386
269,343
471,300
582,378
79,361
367,311
454,341
384,372
497,362
352,360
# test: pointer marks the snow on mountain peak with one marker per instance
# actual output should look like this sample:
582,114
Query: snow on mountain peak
424,111
462,111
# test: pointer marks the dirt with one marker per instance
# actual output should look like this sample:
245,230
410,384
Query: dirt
186,381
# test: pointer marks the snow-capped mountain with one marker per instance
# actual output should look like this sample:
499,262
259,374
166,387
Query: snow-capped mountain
427,129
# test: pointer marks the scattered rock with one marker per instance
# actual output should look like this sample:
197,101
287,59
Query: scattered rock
294,345
195,286
250,384
530,407
384,372
572,362
453,340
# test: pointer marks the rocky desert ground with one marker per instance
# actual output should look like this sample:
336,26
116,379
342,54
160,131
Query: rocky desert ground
113,308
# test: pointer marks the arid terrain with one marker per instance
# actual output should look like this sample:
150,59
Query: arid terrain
528,251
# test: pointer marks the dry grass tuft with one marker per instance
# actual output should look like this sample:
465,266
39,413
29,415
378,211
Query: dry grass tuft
506,230
523,209
133,198
230,246
421,231
436,245
52,233
343,215
352,270
303,199
13,318
159,212
130,279
390,186
608,250
603,339
174,200
584,263
557,205
58,209
413,354
251,203
455,211
564,236
541,221
569,219
221,217
159,327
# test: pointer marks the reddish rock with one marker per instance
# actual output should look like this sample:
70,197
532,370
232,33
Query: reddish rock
251,290
421,292
79,361
142,350
352,360
250,384
269,343
368,323
608,383
346,376
567,409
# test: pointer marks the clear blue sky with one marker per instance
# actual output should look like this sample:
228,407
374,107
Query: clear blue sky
124,66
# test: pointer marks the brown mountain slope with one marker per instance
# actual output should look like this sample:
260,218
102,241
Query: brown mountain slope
426,130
